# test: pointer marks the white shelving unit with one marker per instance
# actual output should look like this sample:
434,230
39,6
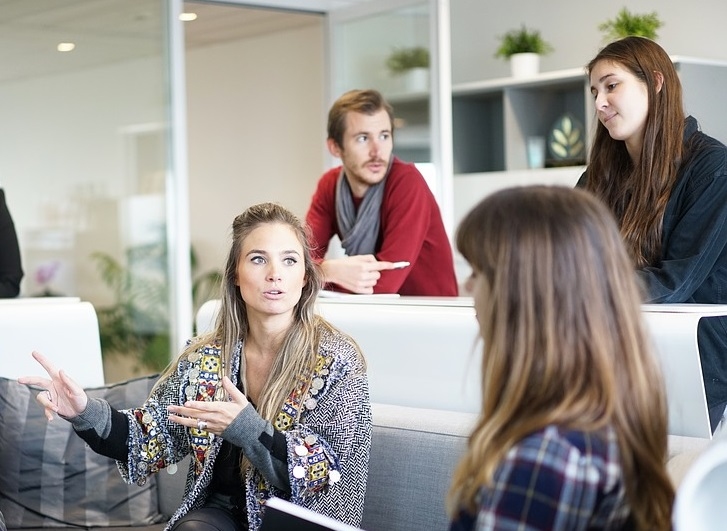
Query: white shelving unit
492,119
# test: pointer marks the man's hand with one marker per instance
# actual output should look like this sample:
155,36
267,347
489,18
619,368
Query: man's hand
357,274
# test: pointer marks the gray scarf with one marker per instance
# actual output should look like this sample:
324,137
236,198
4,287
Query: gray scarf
359,230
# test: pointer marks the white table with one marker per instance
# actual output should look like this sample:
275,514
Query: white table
673,330
65,329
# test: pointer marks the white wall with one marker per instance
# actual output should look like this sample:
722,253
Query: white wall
60,139
693,28
256,121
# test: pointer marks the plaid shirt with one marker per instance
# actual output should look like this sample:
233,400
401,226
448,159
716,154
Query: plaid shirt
554,479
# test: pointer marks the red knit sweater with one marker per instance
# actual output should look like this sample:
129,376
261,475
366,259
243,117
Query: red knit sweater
411,230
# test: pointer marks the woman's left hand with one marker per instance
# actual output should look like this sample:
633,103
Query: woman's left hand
213,416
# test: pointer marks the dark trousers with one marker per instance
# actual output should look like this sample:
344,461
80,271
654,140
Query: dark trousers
210,519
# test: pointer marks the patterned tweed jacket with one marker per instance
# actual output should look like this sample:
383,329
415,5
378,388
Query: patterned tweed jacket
328,445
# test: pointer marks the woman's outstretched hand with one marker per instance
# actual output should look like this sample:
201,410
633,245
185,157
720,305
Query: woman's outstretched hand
61,395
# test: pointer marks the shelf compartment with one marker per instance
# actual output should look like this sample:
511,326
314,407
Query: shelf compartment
477,140
532,111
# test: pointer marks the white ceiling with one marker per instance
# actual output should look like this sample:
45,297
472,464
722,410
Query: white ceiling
108,31
219,23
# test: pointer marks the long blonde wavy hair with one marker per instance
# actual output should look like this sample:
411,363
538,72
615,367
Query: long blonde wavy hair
297,355
564,342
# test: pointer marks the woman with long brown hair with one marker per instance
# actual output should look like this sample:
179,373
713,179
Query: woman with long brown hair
273,402
572,432
666,183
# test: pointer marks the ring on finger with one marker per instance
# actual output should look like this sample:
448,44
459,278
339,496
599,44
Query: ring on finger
201,425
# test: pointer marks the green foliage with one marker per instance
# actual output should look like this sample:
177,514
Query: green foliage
626,24
522,40
403,59
136,324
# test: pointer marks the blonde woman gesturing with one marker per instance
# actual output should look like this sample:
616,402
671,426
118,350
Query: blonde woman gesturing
273,402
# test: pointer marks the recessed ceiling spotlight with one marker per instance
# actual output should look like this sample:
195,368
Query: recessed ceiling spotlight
66,46
188,17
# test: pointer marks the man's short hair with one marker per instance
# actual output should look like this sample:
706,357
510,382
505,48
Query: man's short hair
367,101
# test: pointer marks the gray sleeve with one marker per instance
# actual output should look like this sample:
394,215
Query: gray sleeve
96,416
261,444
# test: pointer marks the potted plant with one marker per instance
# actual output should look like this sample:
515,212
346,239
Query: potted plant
523,47
412,62
136,324
627,23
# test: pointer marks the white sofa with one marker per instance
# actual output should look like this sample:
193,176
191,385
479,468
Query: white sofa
414,449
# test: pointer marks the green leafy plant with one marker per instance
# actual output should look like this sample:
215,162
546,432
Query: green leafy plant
136,324
522,40
627,23
403,59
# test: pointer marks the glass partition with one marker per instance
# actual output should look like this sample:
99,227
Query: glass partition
86,162
389,51
401,48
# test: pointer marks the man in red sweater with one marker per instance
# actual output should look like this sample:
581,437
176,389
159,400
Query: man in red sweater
380,207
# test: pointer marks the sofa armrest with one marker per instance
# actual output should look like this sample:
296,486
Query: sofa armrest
413,454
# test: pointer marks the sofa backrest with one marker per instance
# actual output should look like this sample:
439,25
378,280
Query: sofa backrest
412,345
421,351
413,455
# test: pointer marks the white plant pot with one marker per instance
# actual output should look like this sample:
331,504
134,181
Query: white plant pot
417,80
524,64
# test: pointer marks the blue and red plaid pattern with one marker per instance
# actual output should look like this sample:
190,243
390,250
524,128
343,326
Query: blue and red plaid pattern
554,479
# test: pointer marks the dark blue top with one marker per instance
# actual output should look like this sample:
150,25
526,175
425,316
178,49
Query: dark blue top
694,249
693,268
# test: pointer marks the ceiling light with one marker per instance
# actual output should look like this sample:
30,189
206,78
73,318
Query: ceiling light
187,17
66,46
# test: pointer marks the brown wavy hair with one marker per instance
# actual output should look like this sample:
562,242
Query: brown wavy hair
564,342
298,352
638,193
367,101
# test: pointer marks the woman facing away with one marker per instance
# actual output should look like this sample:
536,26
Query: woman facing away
666,183
572,432
273,402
